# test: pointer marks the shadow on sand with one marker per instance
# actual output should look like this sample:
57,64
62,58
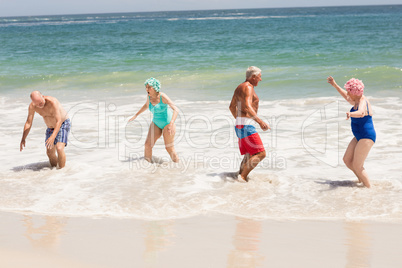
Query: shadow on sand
337,184
225,176
34,166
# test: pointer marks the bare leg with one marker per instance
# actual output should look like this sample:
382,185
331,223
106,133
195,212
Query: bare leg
51,153
349,155
251,164
243,162
169,144
362,149
154,134
61,155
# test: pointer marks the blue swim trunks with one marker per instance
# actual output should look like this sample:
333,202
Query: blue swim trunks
62,136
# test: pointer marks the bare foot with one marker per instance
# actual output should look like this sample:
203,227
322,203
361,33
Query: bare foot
241,179
175,158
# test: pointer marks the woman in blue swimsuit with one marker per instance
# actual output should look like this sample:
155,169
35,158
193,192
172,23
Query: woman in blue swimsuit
362,127
162,122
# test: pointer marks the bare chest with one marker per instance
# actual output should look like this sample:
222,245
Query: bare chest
45,112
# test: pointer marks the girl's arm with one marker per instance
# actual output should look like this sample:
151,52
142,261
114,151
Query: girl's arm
341,91
143,108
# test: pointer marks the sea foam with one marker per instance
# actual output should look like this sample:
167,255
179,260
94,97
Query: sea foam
106,175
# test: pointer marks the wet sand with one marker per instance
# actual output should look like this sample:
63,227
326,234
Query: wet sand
202,241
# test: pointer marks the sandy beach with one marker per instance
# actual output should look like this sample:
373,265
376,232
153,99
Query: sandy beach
110,208
202,241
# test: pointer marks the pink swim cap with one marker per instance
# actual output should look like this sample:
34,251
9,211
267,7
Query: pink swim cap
355,86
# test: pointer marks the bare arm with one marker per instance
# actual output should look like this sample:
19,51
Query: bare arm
360,112
142,109
27,126
341,91
248,97
168,101
233,106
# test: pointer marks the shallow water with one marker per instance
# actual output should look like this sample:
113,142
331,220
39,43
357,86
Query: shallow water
96,64
302,177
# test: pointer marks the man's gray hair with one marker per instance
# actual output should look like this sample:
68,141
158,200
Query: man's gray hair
252,70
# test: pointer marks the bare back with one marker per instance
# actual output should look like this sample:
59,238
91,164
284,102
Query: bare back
51,111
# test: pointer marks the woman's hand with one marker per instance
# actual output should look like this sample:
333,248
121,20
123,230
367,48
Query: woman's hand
132,118
171,128
347,115
331,80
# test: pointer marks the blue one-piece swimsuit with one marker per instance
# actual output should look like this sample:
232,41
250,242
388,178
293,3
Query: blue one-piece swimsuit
363,127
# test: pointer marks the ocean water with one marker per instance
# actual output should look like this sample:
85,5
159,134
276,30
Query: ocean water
96,65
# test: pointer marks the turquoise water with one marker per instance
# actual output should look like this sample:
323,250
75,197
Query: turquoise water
95,65
206,51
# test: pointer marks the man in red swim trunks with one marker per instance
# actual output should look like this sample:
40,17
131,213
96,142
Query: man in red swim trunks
244,107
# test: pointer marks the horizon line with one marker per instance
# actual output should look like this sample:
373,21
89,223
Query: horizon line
190,10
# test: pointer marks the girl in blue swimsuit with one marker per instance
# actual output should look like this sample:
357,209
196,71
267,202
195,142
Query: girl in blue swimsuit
362,127
163,119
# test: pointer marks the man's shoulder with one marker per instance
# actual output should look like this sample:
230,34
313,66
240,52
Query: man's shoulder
245,87
31,107
52,100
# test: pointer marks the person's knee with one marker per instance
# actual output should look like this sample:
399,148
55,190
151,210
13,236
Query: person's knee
169,146
50,152
357,166
169,149
60,148
263,154
348,162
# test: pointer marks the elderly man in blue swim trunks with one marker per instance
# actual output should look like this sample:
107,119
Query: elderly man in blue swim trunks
58,126
244,107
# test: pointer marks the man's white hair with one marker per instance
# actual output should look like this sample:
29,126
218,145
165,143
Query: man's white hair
252,70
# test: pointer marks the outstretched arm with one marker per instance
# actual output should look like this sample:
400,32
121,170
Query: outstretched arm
142,109
341,91
27,126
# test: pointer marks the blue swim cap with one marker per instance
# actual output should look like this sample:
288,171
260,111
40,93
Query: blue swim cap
153,83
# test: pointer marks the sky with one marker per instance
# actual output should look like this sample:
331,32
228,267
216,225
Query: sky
9,8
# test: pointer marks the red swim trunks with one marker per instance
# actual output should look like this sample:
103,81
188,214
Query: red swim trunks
249,140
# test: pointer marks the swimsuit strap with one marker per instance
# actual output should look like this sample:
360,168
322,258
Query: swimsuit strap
161,99
368,112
